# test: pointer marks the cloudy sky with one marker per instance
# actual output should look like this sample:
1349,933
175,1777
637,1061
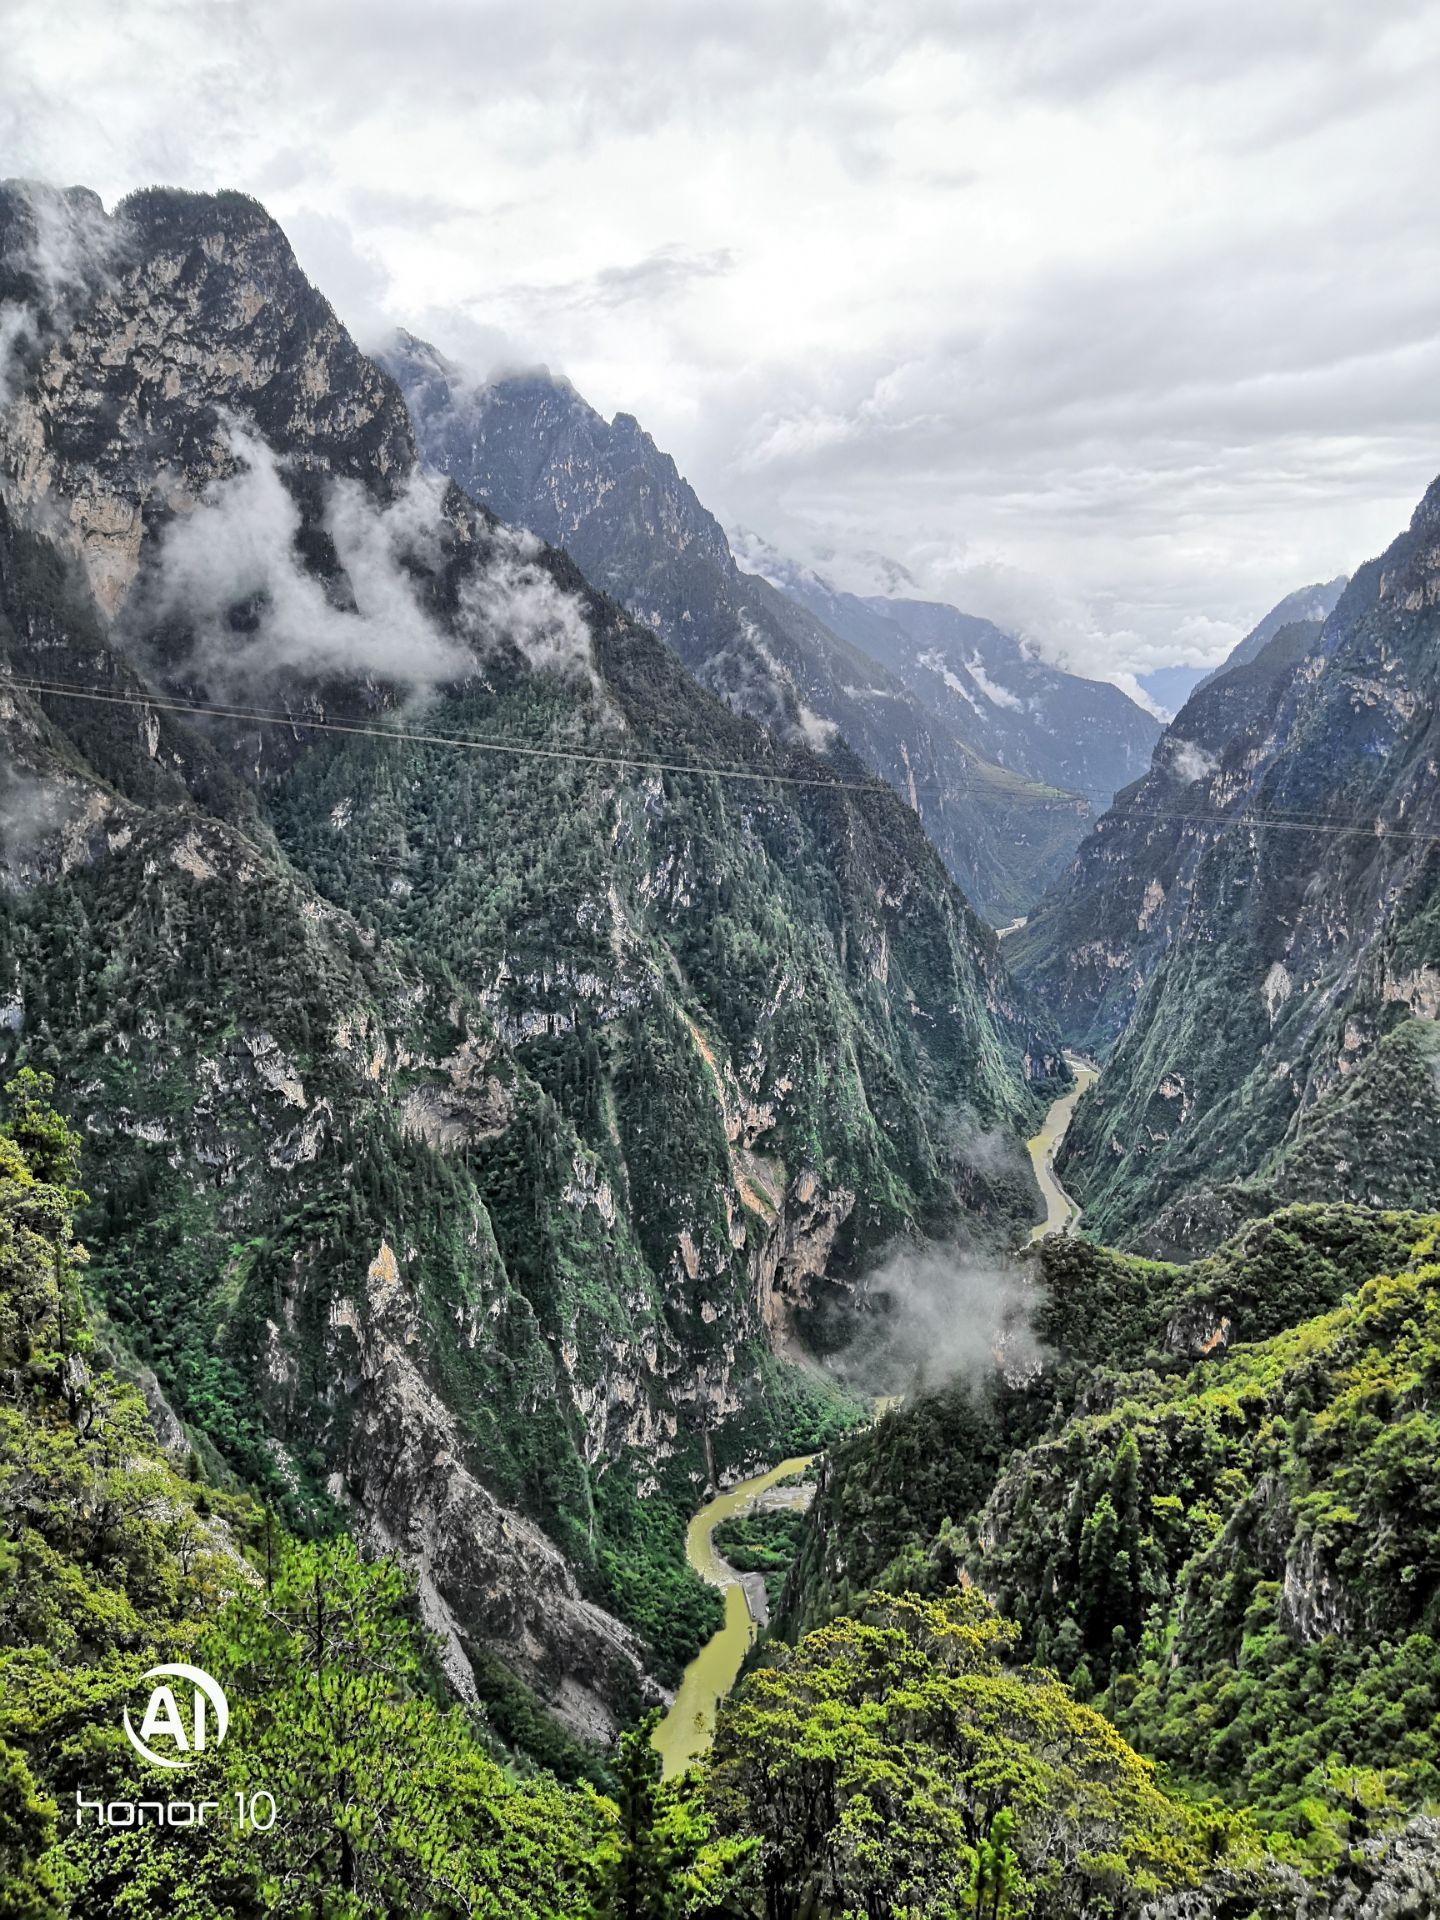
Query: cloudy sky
1115,319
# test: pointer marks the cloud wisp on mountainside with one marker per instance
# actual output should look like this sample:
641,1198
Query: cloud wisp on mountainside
233,571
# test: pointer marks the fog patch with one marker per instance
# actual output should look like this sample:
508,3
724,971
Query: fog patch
232,571
1059,628
990,1152
17,334
818,733
60,249
939,1314
514,601
1190,762
32,811
997,695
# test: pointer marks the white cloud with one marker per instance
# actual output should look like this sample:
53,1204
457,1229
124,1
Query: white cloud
942,1315
237,551
819,734
996,694
1190,762
1136,300
514,602
60,250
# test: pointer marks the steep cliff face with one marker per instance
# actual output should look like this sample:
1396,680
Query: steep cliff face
1250,923
532,449
1093,943
488,1045
120,414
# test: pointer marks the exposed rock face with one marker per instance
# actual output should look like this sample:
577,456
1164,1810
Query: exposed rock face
163,1420
176,314
540,457
489,1576
614,1068
1254,922
1198,1332
1312,1602
1093,944
796,1254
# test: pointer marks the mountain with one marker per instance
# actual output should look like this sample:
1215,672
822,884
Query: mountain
533,451
489,1048
1085,736
112,1569
1252,934
1205,1507
121,1552
1306,605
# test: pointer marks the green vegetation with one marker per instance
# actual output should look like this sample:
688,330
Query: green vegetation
1214,1515
896,1765
1242,1556
389,1800
885,1493
764,1542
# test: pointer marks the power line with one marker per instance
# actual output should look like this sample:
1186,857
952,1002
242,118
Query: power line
1294,822
409,736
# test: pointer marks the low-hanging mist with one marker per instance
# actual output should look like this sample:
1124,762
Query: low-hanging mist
239,572
938,1314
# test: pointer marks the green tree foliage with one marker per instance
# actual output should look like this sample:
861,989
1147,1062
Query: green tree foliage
28,1886
112,1561
764,1543
885,1493
387,1802
1246,1554
641,1879
894,1765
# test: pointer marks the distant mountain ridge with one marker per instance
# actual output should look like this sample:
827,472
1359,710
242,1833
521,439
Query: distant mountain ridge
1312,603
540,457
1085,736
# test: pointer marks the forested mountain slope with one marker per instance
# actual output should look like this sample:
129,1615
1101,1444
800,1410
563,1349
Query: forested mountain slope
901,1757
1212,1511
1253,931
473,1096
381,1796
530,448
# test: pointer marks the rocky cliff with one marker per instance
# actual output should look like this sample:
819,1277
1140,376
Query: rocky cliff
1252,932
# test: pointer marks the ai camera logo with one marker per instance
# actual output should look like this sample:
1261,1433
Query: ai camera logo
184,1736
185,1739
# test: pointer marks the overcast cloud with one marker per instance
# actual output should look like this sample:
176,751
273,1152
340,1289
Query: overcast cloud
1115,321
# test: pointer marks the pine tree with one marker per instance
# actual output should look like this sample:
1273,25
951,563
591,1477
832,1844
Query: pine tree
639,1882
